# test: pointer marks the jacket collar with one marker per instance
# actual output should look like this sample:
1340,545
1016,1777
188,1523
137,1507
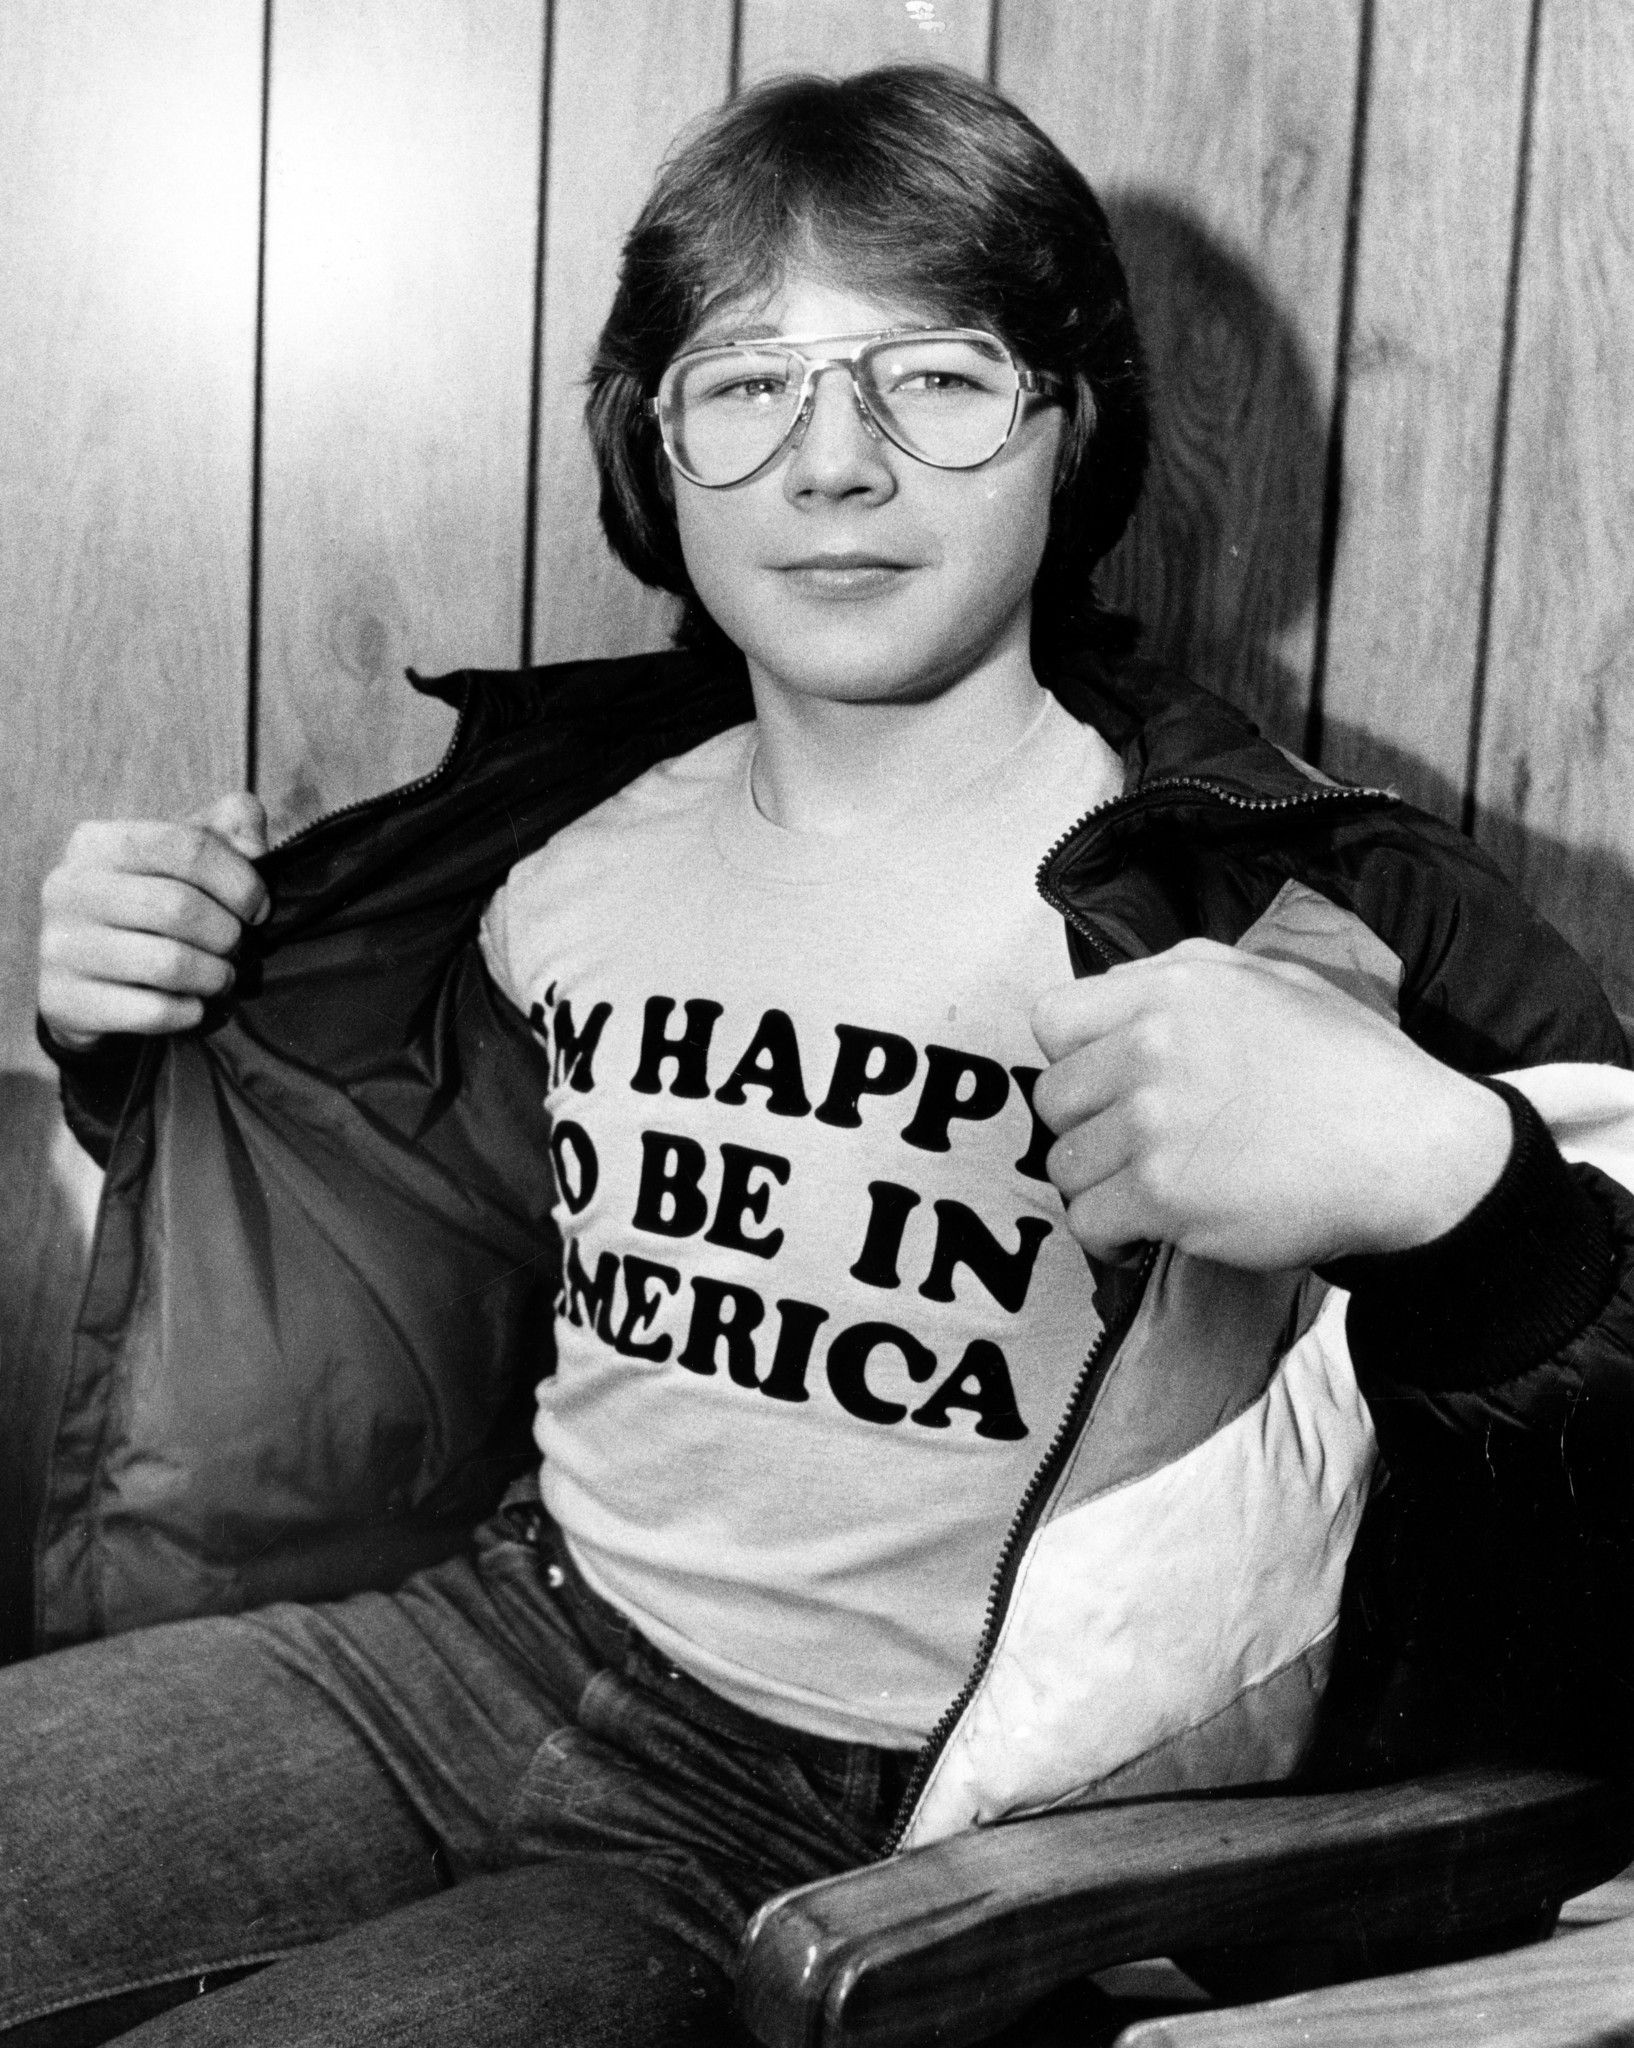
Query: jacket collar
533,749
1203,790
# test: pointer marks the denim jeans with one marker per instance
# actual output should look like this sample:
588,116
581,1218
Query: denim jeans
479,1810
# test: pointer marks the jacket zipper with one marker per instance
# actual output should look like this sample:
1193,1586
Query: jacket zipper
1043,1478
1338,794
388,799
1021,1524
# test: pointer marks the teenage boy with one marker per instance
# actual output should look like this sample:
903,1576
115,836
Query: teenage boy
870,1508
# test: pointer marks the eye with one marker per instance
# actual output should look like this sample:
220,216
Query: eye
909,374
935,380
942,372
734,382
749,389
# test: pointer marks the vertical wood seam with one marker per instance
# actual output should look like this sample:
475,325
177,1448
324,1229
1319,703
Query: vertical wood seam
536,347
1333,475
1500,425
258,385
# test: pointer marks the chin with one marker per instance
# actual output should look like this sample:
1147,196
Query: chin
870,675
866,661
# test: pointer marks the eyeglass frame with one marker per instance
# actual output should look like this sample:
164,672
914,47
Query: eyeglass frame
1029,384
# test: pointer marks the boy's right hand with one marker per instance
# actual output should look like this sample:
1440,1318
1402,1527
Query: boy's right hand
141,920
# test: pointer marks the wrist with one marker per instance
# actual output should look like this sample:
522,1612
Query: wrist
1463,1144
1530,1265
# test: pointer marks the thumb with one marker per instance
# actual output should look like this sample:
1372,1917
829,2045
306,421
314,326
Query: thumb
238,817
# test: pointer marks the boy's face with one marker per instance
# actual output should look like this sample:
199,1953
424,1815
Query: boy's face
847,570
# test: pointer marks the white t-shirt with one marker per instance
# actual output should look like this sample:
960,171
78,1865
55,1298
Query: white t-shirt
821,1312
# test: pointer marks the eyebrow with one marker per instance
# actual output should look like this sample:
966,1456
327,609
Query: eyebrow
712,332
764,331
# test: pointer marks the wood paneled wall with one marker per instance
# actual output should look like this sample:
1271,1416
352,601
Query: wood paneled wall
295,304
296,301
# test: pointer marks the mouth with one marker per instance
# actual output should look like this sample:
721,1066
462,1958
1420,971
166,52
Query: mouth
847,573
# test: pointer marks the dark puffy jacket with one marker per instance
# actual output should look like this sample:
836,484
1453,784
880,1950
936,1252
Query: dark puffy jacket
324,1269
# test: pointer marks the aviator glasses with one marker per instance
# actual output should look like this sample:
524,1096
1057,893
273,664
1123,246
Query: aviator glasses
947,396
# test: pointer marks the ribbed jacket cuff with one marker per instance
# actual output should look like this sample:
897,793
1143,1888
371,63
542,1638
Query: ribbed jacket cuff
96,1084
1531,1265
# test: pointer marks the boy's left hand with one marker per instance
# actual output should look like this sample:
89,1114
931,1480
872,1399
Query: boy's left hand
1245,1110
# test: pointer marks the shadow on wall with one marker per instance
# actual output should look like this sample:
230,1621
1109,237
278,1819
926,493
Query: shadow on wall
45,1187
1220,559
1222,564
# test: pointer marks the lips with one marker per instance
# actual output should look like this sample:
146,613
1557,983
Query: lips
852,577
839,561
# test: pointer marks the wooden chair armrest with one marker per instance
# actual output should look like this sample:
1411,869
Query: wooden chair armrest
953,1942
1574,1992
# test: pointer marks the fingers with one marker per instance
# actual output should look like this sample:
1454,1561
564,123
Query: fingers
1081,1011
143,959
97,1008
1144,1067
101,971
1095,1075
239,817
1078,1013
1097,1168
140,920
187,852
1108,1223
1249,1111
80,899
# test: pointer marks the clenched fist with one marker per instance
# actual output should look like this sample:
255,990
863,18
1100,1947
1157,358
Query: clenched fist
1245,1110
141,920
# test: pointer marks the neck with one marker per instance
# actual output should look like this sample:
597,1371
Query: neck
832,764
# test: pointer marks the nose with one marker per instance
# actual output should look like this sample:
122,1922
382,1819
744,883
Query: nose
838,453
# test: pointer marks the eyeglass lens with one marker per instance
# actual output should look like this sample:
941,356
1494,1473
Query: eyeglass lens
949,401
